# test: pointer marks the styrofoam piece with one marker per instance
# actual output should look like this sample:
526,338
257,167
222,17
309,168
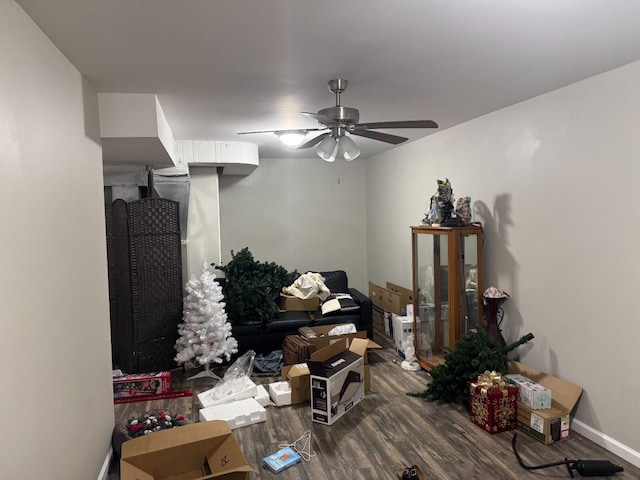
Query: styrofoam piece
228,391
237,414
263,396
280,393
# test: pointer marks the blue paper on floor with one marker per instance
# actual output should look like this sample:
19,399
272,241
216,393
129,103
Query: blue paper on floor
282,459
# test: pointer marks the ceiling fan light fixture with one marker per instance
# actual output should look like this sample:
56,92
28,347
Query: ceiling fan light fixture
348,148
327,149
292,138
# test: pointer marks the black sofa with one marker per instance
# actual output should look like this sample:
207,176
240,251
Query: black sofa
269,335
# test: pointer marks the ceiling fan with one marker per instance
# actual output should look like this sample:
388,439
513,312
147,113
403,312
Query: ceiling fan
336,122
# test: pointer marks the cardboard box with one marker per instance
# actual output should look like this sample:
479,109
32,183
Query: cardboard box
493,409
298,377
293,386
154,383
377,319
406,296
196,451
530,393
550,425
295,304
386,299
319,338
337,379
141,384
237,414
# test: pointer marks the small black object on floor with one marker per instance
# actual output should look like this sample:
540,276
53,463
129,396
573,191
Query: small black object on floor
586,468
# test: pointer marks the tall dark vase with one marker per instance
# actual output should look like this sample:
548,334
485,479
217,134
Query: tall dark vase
494,314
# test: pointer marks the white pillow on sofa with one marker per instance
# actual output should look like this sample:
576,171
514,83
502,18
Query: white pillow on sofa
337,303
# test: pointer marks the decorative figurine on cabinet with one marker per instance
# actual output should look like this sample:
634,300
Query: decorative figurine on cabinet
443,212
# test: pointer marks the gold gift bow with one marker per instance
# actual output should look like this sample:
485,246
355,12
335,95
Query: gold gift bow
489,380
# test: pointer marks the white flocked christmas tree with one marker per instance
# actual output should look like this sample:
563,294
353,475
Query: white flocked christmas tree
205,333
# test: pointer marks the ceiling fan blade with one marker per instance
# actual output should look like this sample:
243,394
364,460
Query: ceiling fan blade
285,130
323,119
400,124
314,141
383,137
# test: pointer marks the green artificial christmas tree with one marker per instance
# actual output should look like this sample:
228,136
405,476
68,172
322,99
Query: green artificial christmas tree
471,356
252,288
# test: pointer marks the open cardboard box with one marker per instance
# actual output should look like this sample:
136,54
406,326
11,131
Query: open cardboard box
197,451
337,379
293,386
319,337
552,424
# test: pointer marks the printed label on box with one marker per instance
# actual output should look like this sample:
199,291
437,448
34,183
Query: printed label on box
537,423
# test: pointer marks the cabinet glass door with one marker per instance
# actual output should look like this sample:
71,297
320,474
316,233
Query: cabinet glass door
447,279
432,280
470,314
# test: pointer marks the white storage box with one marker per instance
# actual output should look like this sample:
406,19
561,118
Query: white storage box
530,393
280,393
237,414
228,391
263,396
402,328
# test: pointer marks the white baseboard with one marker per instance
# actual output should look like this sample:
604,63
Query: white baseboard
104,471
606,442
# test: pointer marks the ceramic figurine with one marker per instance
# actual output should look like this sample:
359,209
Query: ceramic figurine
463,209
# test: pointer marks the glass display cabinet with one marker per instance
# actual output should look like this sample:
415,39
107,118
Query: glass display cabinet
447,277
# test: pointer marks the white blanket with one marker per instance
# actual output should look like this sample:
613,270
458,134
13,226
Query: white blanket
308,285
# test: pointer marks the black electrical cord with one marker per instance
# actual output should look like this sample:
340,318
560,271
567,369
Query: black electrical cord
586,468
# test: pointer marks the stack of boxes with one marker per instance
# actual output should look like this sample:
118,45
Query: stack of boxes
545,403
334,379
533,401
299,382
392,313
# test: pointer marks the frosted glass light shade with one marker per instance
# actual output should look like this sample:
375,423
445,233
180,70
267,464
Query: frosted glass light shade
327,149
348,149
292,138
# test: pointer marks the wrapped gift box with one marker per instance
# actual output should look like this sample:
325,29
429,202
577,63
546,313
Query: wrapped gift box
493,403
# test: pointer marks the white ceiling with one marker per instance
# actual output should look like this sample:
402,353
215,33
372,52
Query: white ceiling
225,66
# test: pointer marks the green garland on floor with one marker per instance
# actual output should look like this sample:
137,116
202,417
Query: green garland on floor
470,357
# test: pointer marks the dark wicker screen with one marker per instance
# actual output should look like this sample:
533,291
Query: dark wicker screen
148,283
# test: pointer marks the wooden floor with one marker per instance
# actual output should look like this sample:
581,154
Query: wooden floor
387,431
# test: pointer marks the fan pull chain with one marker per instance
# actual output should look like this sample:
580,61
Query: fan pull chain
302,445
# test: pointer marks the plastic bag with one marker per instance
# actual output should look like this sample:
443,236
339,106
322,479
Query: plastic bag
342,329
236,379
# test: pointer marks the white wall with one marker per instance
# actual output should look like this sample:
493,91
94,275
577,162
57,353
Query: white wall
554,181
303,214
55,359
203,220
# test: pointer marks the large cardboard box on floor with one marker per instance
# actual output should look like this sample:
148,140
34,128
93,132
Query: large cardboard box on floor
198,451
337,379
552,424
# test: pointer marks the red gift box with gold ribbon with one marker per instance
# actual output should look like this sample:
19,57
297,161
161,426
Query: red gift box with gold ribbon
493,403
